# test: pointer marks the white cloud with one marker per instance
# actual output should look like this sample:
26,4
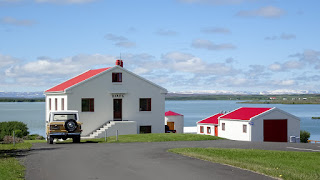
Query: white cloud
7,60
216,30
267,12
163,32
16,22
113,37
120,41
126,44
285,82
215,2
283,36
65,1
206,44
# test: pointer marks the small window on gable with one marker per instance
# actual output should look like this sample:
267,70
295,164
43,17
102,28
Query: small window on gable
116,77
62,104
87,105
244,128
49,104
223,126
56,104
201,129
145,104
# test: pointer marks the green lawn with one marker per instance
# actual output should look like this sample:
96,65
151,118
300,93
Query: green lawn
154,138
10,167
280,164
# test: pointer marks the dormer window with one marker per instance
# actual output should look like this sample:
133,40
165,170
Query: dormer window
116,77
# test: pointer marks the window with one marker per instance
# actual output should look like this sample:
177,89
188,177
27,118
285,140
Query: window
201,129
244,128
145,104
223,126
49,104
145,129
62,104
208,130
87,105
116,77
56,104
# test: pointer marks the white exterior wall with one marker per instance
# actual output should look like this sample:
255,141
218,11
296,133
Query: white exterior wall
257,127
178,122
59,100
101,87
234,130
205,129
123,127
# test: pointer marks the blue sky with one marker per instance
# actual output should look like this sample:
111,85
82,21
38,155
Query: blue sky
182,45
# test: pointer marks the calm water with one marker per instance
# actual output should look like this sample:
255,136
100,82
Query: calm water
33,114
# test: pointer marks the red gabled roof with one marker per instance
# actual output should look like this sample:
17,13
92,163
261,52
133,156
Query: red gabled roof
171,113
71,82
244,113
211,120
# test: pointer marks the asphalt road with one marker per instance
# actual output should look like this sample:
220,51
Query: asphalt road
138,161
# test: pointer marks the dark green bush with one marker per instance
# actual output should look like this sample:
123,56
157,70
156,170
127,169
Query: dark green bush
304,136
7,128
33,137
18,133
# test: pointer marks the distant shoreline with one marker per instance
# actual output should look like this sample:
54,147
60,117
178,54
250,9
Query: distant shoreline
6,99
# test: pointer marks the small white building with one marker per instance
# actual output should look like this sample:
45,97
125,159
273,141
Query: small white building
174,121
111,97
259,124
209,125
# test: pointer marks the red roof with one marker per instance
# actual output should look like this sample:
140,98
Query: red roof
71,82
244,113
212,119
171,113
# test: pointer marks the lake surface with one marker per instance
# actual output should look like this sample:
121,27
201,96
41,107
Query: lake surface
33,114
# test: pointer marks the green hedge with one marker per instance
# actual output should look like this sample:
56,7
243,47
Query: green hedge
7,128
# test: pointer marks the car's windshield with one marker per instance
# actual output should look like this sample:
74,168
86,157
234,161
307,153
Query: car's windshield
64,117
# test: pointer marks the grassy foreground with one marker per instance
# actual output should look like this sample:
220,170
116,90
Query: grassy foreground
153,137
280,164
10,167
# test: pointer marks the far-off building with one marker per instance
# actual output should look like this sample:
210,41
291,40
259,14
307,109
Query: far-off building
254,124
174,121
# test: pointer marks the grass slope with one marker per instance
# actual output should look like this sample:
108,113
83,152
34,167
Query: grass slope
280,164
10,167
153,137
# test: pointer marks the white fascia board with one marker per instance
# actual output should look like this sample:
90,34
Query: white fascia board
277,109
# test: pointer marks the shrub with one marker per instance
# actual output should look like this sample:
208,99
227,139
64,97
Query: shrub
304,136
9,140
33,137
18,133
6,128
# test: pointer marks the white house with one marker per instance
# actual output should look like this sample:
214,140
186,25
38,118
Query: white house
259,124
209,125
174,121
111,97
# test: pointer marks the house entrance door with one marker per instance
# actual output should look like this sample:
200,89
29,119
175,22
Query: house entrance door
117,109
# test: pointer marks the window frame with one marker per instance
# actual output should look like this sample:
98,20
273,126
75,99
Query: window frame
49,104
208,130
244,128
56,104
149,103
201,129
91,105
223,128
116,77
62,104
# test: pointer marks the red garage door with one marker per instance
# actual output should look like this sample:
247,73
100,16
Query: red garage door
275,130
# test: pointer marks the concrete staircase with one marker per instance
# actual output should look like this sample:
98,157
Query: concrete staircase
123,127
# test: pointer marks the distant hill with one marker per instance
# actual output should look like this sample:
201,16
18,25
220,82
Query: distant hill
21,94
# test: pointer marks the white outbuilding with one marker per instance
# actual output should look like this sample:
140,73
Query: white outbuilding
110,99
209,125
259,124
174,121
